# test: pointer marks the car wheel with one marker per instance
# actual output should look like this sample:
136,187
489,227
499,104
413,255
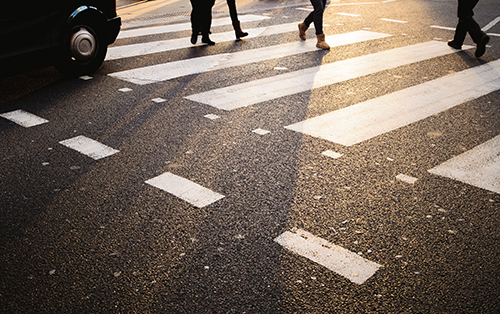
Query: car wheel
82,50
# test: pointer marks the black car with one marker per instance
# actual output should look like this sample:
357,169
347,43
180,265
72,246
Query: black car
72,35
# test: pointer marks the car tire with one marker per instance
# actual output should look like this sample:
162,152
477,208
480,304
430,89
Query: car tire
82,50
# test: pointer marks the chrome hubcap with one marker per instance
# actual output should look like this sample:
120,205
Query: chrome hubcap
83,45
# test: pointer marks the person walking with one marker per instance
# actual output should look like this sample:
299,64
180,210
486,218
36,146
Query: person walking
201,20
234,19
466,23
317,17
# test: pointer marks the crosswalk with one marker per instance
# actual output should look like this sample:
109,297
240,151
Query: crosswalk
349,126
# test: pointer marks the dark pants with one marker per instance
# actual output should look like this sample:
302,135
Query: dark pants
232,10
316,16
201,16
466,23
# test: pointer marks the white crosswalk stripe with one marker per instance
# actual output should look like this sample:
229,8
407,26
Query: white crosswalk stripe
479,166
374,117
184,26
134,50
168,71
250,93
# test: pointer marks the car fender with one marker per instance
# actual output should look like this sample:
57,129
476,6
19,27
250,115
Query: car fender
87,12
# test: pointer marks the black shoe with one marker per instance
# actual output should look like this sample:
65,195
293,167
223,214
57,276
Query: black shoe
453,44
481,47
207,41
194,38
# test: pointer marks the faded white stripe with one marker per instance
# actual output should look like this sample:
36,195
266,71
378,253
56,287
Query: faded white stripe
394,21
348,14
344,262
443,27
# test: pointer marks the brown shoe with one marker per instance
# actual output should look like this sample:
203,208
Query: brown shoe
237,30
302,31
322,43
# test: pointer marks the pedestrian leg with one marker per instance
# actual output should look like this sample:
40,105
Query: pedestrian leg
234,19
206,21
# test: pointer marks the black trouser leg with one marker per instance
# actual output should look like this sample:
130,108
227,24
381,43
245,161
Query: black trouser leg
316,16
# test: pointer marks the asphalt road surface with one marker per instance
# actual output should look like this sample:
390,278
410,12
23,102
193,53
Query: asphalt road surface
261,175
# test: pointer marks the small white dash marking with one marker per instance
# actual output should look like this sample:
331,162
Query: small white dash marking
185,189
407,179
89,147
442,27
332,154
394,21
261,131
212,116
280,68
159,100
125,90
23,118
86,77
344,262
347,14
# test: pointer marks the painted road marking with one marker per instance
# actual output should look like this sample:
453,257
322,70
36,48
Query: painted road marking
261,131
89,147
141,49
23,118
363,121
479,166
344,262
184,189
406,178
491,24
249,93
443,27
159,100
332,154
185,26
348,14
167,71
394,21
211,116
